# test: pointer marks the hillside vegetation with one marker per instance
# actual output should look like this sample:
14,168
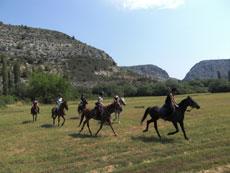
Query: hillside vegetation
150,71
38,147
53,51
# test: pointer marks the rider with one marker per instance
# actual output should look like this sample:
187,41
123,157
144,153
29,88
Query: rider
116,98
59,101
170,103
83,101
34,105
99,104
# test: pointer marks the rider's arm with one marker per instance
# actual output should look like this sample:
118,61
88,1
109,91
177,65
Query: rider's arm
173,100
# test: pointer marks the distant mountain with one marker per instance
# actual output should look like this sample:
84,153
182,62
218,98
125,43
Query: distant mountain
53,51
151,71
208,69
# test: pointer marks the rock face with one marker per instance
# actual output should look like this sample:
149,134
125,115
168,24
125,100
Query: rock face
150,71
51,51
25,41
208,69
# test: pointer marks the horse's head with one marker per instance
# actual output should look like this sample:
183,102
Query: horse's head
192,103
116,106
65,104
122,101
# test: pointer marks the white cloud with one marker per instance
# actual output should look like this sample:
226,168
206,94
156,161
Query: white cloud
146,4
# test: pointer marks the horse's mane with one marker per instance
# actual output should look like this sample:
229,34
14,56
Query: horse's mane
182,102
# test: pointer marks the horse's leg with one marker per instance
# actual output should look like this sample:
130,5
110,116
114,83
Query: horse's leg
110,124
36,116
182,127
58,120
147,126
33,116
83,125
119,117
89,128
115,116
63,120
102,122
155,125
54,117
177,130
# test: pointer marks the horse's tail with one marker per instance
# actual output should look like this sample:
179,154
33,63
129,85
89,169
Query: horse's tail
82,117
145,115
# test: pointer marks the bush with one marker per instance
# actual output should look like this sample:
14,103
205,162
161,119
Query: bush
6,100
46,86
219,85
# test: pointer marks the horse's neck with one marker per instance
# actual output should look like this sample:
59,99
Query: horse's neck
110,108
61,108
183,105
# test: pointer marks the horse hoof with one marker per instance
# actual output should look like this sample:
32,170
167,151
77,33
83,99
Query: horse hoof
145,130
187,139
116,134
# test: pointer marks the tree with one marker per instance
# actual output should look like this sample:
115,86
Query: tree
228,75
218,75
10,82
46,87
4,75
16,73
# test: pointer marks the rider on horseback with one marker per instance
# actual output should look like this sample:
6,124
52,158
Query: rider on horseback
84,102
116,98
59,101
99,104
35,105
170,104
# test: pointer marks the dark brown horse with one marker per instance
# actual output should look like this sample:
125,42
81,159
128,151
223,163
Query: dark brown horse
60,113
34,111
82,106
105,116
175,117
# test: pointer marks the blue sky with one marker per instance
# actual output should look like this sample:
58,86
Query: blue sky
172,34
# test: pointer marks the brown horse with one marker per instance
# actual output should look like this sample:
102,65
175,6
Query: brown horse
60,113
105,116
34,111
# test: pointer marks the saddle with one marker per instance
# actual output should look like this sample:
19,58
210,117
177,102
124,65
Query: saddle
96,112
164,112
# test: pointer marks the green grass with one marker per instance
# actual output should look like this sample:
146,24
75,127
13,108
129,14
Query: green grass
27,146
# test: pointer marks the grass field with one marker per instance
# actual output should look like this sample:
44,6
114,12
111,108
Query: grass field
26,146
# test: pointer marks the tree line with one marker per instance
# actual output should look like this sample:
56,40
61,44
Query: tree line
45,86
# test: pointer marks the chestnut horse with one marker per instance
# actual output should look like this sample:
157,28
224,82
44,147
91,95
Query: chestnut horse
60,113
105,116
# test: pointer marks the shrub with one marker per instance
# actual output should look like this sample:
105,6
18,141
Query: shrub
46,87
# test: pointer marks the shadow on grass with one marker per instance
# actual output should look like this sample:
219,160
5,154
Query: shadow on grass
27,122
153,139
47,126
105,123
78,135
75,118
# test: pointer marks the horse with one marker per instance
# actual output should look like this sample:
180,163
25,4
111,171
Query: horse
117,112
82,106
60,113
34,111
175,117
105,116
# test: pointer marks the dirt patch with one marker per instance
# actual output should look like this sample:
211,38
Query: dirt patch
220,169
107,169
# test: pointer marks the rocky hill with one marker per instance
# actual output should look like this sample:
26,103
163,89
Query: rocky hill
208,69
149,71
52,51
